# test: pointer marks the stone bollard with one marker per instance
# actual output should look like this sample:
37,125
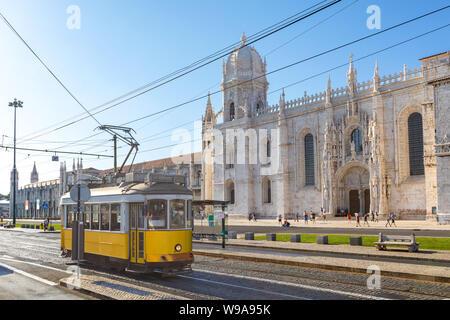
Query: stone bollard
271,237
249,236
322,239
232,235
355,241
295,238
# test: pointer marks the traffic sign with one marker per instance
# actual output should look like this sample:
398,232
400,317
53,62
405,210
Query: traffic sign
82,190
45,206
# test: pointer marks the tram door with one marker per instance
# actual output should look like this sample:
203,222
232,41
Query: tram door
137,234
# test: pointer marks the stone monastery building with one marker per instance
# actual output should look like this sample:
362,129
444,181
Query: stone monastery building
380,145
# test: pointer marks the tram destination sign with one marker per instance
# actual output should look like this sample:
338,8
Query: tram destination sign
80,192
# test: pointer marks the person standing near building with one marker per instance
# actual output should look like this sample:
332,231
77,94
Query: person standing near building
306,217
358,224
297,215
279,219
349,217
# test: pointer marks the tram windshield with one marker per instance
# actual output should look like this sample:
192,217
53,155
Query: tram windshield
177,215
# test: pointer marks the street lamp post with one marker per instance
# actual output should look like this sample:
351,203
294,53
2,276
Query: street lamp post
16,104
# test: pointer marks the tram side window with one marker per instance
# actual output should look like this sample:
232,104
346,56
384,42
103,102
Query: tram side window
69,219
157,214
104,217
87,217
95,212
177,214
115,217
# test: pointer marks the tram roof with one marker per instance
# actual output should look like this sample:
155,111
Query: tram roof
138,188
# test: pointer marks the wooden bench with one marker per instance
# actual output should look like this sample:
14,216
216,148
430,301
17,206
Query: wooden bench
409,241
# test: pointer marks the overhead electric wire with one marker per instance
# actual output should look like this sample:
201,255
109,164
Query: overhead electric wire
46,67
328,51
352,42
327,71
201,64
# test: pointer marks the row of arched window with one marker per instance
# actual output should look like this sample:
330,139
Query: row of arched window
415,143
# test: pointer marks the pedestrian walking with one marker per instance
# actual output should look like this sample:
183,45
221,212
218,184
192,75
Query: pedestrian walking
366,218
306,217
388,220
376,216
254,217
249,217
358,224
349,217
279,219
393,220
313,217
297,215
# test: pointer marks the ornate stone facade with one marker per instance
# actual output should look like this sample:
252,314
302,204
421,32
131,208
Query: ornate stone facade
365,147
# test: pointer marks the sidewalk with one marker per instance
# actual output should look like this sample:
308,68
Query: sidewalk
28,230
354,258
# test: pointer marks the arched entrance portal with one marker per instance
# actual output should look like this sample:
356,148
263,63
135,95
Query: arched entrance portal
353,186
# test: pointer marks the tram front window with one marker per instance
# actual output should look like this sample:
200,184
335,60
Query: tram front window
95,212
157,214
115,217
104,217
177,214
69,216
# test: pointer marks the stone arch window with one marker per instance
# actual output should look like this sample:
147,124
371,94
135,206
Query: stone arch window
232,111
267,190
309,160
259,106
268,148
357,140
415,142
230,193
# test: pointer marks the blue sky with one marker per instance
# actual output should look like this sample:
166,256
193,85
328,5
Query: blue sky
122,45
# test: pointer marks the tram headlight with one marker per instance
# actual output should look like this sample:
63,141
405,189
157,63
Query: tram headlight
178,247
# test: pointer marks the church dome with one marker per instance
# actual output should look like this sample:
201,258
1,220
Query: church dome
243,63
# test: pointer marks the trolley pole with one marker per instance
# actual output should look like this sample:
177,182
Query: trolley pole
115,153
16,104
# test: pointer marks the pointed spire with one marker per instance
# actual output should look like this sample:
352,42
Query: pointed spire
376,78
351,77
328,92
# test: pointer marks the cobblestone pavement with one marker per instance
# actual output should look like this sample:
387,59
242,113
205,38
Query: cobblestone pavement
392,288
212,278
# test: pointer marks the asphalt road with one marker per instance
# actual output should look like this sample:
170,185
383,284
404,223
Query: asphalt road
212,278
329,230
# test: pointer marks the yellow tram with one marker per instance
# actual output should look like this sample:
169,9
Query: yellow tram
143,224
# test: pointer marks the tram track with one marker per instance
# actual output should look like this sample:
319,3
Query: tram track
219,278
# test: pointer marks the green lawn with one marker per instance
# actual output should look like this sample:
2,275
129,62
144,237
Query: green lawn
425,242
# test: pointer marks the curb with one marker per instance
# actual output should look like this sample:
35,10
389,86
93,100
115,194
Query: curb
322,266
353,254
94,294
